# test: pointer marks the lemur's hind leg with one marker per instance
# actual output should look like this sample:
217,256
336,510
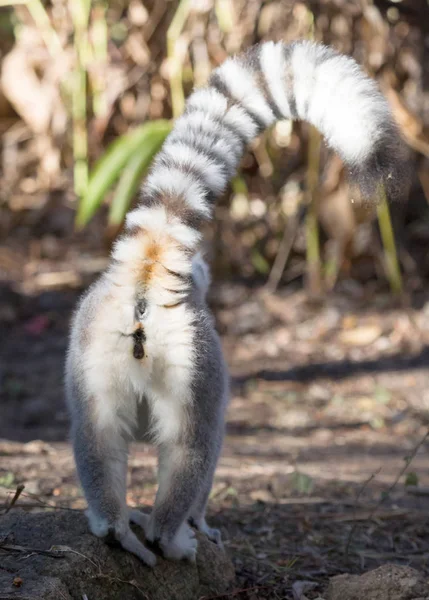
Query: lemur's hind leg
182,469
197,516
101,459
139,518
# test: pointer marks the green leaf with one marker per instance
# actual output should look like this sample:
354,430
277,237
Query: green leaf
259,262
411,478
133,173
108,168
302,483
7,479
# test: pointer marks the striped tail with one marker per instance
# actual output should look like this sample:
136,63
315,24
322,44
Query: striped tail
244,96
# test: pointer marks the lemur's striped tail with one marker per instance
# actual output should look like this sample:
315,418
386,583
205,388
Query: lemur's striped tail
247,94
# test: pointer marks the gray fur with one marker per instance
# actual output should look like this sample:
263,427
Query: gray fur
186,464
144,355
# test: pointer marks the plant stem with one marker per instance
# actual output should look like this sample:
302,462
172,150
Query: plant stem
99,44
311,225
388,238
175,57
48,33
80,14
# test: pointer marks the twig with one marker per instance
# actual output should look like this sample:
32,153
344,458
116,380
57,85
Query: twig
100,573
41,502
60,548
18,492
285,246
359,494
126,581
18,548
408,461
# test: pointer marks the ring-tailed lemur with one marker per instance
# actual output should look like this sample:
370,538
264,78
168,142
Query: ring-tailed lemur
143,333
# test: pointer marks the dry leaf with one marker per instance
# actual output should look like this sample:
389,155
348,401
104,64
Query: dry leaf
361,336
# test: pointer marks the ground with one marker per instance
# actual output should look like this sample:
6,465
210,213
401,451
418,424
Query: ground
326,426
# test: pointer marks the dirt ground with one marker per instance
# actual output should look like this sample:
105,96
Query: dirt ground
325,467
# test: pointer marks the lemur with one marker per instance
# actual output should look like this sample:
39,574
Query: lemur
143,339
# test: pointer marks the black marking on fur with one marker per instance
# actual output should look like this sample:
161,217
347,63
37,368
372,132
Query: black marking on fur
227,135
216,158
288,80
217,82
139,338
388,163
214,136
189,169
211,136
252,61
140,309
221,123
148,200
186,278
210,154
191,218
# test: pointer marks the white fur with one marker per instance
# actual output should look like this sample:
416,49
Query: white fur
214,104
208,100
273,65
243,87
238,118
339,100
156,219
170,180
183,546
108,382
202,128
184,154
220,146
128,248
163,375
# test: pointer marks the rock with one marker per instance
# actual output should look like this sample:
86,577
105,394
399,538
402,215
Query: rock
90,568
389,582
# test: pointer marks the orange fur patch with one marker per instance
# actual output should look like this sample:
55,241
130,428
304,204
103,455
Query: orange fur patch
150,263
150,257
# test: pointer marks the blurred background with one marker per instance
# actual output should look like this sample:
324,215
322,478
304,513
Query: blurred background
76,76
322,304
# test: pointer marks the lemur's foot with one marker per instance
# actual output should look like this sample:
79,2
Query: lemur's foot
120,532
213,534
129,541
182,547
139,518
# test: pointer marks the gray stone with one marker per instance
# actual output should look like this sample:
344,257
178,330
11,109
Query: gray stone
92,568
388,582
